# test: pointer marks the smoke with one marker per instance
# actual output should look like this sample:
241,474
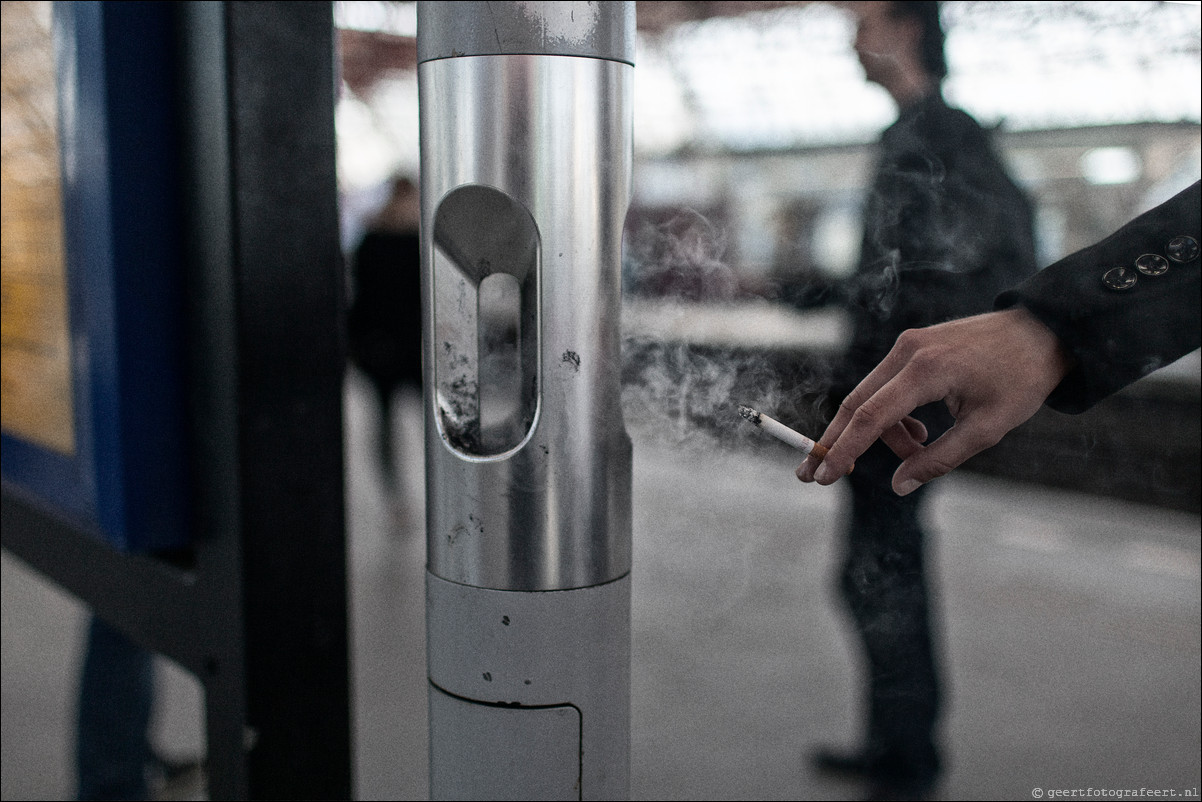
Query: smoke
879,291
680,257
683,375
678,394
688,395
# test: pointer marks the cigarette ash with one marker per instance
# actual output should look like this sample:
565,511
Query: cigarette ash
750,414
458,403
460,417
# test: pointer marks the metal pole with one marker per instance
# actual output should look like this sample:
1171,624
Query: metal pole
525,172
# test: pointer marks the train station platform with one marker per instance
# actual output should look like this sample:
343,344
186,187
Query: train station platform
1072,631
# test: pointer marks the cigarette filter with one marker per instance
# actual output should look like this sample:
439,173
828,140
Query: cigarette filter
783,433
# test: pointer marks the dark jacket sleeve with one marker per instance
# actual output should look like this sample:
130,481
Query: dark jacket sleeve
1120,335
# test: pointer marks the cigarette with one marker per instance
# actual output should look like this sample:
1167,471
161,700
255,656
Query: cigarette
783,433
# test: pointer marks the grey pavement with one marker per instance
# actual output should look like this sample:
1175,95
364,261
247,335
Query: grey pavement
1071,622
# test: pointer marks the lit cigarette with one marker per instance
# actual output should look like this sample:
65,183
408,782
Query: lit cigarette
783,433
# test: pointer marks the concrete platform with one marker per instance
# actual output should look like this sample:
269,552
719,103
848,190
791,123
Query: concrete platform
1072,630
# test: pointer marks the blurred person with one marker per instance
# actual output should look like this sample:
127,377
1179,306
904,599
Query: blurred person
945,229
116,694
384,322
114,756
1078,331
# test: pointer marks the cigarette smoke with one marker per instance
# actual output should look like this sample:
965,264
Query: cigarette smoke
687,394
682,257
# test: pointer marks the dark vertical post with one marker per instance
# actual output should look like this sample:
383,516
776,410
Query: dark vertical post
288,282
268,356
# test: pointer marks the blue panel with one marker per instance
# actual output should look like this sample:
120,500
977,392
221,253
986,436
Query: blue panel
125,275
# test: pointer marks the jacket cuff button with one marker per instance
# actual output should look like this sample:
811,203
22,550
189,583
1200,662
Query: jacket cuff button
1120,278
1152,264
1182,249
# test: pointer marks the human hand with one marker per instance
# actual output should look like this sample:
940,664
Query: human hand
993,371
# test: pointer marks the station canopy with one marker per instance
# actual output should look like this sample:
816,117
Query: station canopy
740,77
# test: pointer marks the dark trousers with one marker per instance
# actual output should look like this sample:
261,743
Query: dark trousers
385,392
884,586
116,693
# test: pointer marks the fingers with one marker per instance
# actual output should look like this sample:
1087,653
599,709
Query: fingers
882,412
879,404
916,429
905,437
805,471
863,392
993,371
964,440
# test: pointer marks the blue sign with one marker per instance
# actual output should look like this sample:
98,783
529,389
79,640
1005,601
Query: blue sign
111,452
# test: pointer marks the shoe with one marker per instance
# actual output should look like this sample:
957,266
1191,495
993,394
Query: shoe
916,789
887,777
857,765
171,778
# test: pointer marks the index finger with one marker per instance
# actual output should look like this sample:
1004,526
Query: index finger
885,397
867,386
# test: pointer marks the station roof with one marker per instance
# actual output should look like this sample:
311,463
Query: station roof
727,76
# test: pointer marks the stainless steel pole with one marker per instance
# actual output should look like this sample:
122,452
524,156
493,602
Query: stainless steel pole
525,178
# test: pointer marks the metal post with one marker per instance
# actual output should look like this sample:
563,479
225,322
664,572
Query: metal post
526,161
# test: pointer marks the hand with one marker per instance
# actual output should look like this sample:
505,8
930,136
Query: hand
993,371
